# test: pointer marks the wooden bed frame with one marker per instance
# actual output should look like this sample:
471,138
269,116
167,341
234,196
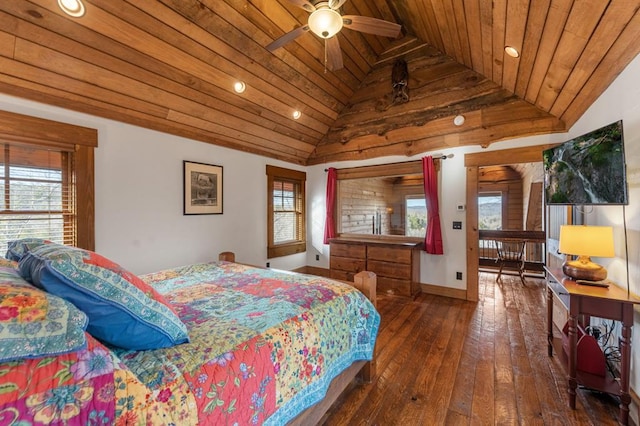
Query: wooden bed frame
364,281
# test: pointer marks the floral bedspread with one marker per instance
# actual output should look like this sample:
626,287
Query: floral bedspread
264,346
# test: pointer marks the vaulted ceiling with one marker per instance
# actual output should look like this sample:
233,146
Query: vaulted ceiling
170,65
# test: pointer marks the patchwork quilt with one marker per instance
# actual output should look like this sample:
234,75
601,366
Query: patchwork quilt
263,346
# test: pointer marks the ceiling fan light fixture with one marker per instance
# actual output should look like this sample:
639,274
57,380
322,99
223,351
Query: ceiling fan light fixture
512,51
73,8
325,22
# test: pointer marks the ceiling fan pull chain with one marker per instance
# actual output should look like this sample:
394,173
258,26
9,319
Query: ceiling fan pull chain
325,56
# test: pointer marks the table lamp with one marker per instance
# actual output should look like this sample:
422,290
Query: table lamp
585,241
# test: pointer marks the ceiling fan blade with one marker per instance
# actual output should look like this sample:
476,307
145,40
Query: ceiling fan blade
334,54
290,36
335,4
369,25
304,4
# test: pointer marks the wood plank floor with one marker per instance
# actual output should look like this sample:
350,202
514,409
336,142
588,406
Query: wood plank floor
443,361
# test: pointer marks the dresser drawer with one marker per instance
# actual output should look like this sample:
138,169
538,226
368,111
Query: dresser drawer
394,286
342,275
388,269
389,254
347,264
349,250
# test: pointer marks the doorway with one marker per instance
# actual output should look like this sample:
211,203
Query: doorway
473,163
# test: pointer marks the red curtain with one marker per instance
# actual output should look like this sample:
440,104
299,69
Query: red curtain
433,236
329,223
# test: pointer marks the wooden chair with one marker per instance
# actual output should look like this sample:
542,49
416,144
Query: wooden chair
510,255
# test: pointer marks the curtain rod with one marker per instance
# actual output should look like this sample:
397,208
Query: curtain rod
435,157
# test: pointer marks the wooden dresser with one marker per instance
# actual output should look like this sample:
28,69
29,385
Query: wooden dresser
395,263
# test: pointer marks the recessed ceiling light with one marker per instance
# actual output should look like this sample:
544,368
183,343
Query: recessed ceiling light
458,120
73,8
296,114
512,51
239,86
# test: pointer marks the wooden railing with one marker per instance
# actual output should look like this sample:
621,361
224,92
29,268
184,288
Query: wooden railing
534,251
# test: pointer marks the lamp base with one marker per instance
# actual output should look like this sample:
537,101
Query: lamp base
584,269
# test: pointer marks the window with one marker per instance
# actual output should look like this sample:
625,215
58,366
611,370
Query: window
38,195
46,178
490,210
285,212
416,212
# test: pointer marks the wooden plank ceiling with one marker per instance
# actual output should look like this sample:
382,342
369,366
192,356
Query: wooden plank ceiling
170,65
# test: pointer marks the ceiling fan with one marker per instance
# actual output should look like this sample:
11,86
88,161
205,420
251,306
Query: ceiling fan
326,22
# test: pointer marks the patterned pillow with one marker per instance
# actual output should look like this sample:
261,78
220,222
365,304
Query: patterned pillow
18,248
6,263
35,324
123,310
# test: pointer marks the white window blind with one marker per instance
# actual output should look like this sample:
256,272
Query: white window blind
38,188
287,212
286,232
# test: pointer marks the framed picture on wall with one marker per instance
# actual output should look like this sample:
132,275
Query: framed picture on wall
202,188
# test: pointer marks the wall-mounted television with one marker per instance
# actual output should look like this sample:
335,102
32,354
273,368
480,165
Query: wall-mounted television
589,169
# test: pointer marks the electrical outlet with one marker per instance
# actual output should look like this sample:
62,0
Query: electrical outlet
458,275
268,264
457,225
317,257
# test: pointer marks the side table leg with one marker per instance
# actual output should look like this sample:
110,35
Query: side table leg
573,384
625,362
549,321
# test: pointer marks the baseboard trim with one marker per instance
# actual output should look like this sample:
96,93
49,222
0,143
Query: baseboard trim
314,270
437,290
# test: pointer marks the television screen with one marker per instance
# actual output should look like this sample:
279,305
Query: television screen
589,169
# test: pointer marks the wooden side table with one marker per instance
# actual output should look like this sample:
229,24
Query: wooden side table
610,303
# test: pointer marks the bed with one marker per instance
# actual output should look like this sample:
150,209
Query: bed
258,346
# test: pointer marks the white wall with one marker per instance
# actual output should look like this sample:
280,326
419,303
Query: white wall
139,190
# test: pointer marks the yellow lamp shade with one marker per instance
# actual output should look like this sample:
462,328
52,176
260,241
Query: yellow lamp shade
581,240
585,241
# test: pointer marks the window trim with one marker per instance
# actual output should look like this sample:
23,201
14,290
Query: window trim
27,130
299,246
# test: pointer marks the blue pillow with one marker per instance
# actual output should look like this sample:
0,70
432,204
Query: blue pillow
18,248
36,324
123,310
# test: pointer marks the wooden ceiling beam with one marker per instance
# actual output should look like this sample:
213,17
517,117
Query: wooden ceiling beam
366,147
